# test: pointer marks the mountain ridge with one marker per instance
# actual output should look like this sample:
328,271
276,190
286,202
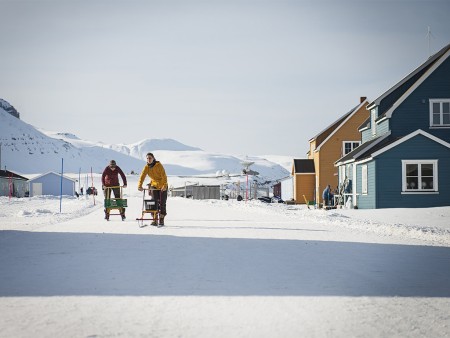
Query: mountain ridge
28,150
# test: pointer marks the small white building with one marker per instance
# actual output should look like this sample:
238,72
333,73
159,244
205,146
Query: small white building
287,188
50,184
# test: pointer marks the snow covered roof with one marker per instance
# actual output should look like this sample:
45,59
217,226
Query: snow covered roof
8,173
52,173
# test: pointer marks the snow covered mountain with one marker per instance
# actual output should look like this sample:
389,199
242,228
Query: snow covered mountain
27,150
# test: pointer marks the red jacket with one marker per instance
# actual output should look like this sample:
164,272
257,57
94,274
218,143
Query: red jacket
110,178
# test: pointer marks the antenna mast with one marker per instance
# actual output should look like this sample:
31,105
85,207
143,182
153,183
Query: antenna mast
429,36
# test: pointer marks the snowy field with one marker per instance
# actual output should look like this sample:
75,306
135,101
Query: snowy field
222,269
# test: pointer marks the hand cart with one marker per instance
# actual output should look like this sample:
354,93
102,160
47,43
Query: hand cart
116,203
151,206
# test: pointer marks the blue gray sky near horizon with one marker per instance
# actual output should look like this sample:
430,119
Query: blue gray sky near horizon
232,77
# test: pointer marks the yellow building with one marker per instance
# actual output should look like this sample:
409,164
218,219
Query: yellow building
335,141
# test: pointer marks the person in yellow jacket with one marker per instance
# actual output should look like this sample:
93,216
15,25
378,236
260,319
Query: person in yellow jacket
158,180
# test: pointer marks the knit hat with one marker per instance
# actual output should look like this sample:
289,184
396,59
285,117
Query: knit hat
112,162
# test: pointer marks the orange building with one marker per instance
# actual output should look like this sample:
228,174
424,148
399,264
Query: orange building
335,141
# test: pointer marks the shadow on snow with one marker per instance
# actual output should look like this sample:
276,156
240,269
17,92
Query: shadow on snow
82,264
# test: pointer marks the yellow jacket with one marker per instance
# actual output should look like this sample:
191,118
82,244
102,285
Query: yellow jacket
157,174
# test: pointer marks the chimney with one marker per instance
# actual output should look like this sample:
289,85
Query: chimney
362,99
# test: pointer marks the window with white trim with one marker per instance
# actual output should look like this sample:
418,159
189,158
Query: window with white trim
420,175
440,113
364,179
348,146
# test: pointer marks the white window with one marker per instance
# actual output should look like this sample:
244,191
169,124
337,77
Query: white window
364,179
420,175
348,146
440,112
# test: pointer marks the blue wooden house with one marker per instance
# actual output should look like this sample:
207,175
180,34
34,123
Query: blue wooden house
404,157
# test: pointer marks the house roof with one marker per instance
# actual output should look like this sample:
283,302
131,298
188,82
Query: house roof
365,124
386,147
52,173
402,89
361,151
304,166
383,143
7,173
336,125
327,131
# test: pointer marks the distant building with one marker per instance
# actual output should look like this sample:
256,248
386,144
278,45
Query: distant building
12,184
287,188
304,176
50,184
197,192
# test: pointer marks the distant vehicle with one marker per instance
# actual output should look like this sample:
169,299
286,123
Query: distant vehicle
91,191
265,199
277,199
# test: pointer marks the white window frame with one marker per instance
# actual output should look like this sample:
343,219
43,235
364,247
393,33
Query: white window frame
420,190
373,117
364,179
351,146
441,102
341,174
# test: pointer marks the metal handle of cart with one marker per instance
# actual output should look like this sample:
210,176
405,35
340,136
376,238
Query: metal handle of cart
150,205
108,189
114,202
153,202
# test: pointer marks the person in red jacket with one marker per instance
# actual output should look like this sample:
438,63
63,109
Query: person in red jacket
110,178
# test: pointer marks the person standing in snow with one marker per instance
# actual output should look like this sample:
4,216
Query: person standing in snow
327,196
110,178
158,180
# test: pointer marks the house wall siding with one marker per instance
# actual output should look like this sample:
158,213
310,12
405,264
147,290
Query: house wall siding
51,185
366,135
332,150
304,185
312,147
388,101
389,174
414,112
383,128
367,201
329,155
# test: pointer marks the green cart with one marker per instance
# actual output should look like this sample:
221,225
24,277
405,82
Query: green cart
117,203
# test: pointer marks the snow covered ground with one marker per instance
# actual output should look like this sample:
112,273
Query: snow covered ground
222,269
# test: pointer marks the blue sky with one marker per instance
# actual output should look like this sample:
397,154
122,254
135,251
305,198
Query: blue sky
233,77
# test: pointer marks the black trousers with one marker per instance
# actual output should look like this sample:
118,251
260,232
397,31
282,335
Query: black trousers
116,192
161,197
